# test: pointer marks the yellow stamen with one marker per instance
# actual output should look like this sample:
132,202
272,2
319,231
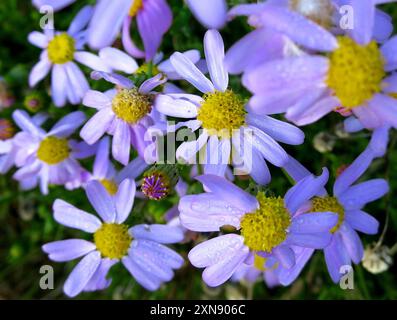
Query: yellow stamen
135,7
222,112
113,240
356,72
329,204
61,49
319,11
53,150
393,95
266,227
110,186
130,105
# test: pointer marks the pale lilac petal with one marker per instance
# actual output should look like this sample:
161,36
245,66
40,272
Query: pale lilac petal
157,232
336,257
125,197
310,240
102,162
118,60
386,108
39,71
70,216
369,117
353,172
106,22
278,130
128,43
96,99
99,281
229,192
364,20
66,250
360,194
297,27
146,280
207,212
68,124
55,4
179,108
101,201
38,39
389,51
362,221
287,276
152,83
25,123
81,274
133,170
187,70
314,222
114,78
352,242
81,20
285,256
210,13
215,54
213,251
78,84
95,128
91,61
304,190
295,72
121,144
219,273
59,82
267,146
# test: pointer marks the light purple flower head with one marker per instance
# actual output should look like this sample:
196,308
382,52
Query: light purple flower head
126,113
105,172
8,150
60,49
227,127
48,158
268,226
354,76
212,14
55,4
153,17
139,248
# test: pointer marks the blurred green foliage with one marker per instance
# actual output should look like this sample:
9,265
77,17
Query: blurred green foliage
26,221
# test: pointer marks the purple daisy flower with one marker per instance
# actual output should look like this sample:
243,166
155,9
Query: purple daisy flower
348,201
227,127
60,49
268,226
153,17
126,113
353,76
213,18
55,4
139,248
48,158
8,150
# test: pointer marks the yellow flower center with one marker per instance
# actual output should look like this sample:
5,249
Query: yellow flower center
110,186
259,262
222,112
61,49
113,240
319,11
329,204
135,7
53,150
266,227
393,95
144,68
130,105
356,72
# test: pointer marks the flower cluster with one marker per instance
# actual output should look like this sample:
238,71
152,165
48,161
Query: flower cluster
143,119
